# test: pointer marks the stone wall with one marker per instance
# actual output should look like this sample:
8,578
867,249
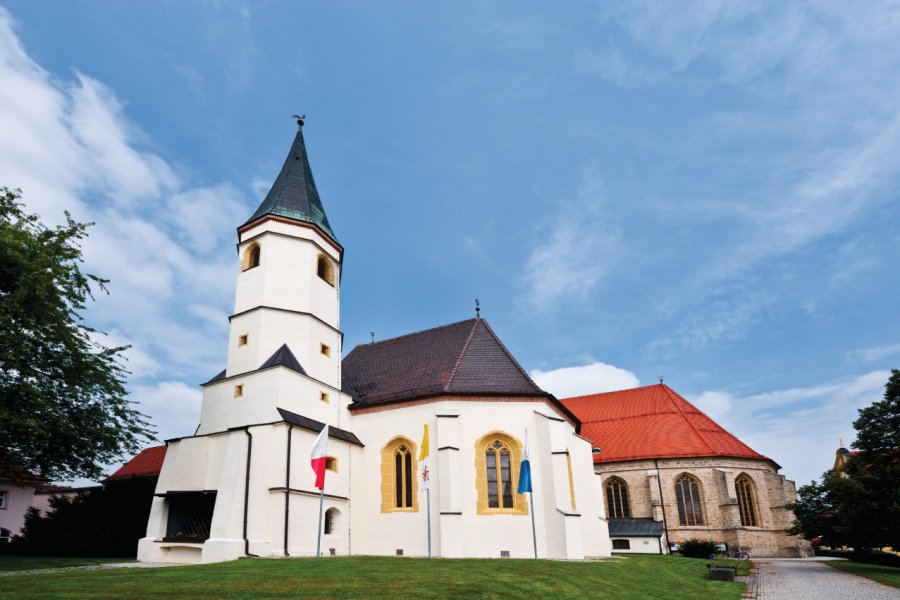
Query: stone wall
651,491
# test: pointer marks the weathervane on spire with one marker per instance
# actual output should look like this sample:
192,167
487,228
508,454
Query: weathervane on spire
477,309
300,119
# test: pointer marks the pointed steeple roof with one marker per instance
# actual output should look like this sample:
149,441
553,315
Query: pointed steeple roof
294,194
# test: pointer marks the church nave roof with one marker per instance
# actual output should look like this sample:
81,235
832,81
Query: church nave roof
464,358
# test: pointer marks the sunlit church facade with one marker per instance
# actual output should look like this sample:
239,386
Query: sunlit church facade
242,484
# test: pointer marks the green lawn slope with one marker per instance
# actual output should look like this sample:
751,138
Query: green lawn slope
657,577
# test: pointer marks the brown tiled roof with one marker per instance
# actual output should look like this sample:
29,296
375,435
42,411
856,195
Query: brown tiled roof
148,463
652,422
464,358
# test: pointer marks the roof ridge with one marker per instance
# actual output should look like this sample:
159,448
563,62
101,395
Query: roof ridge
684,416
462,353
632,389
510,355
406,335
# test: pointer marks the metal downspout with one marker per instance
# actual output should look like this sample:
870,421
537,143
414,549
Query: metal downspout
247,491
662,504
287,489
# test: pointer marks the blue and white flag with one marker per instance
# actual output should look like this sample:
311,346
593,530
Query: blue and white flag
525,470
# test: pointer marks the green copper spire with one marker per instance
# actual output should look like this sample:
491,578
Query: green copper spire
294,194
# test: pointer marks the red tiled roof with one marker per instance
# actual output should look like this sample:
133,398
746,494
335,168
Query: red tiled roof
652,422
148,463
460,358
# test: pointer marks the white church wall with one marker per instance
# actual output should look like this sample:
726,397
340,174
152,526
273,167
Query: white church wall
262,393
469,533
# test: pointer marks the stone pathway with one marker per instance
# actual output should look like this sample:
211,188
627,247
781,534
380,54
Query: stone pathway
811,579
126,565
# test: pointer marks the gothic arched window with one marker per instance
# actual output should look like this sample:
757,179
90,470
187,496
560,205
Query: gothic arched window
617,506
746,500
497,458
251,256
688,499
398,476
324,269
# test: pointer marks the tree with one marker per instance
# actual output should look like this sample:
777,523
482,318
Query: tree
875,468
63,406
859,506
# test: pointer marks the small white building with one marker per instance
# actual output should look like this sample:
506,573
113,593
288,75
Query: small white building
242,484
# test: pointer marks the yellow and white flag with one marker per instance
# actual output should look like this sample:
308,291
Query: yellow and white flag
424,471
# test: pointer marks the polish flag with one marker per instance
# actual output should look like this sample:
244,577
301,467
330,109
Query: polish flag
317,457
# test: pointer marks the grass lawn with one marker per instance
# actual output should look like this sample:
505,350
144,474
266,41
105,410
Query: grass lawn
881,574
658,577
26,563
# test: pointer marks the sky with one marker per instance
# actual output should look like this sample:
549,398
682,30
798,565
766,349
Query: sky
700,191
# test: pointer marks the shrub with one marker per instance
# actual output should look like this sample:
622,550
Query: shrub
872,557
695,548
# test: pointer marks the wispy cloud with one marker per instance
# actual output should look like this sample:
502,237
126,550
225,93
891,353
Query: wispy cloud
799,427
162,242
573,254
869,355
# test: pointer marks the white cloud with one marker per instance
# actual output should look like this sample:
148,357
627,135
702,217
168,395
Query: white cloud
594,378
799,428
165,245
176,404
868,355
574,255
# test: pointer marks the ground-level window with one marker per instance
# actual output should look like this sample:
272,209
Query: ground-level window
687,497
617,506
621,544
330,517
190,516
497,461
398,476
743,486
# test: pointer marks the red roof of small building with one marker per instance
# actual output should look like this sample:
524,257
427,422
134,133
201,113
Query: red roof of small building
148,463
652,422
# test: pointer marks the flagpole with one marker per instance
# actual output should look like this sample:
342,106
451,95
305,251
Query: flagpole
319,538
428,500
533,529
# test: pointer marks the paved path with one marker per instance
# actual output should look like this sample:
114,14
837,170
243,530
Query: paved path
126,565
806,579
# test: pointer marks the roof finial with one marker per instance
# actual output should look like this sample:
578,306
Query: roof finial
477,309
300,119
660,377
372,333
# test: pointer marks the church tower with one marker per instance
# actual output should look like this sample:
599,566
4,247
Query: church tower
287,302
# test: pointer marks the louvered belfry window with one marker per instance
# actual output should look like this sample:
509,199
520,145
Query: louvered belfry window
687,496
617,506
190,516
744,489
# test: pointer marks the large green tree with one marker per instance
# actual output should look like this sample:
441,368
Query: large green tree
859,506
64,411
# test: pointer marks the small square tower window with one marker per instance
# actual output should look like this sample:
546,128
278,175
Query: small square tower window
243,339
331,463
3,496
238,391
325,349
323,396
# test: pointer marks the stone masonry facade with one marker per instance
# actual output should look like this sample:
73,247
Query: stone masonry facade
721,517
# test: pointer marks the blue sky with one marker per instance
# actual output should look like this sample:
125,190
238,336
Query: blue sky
705,191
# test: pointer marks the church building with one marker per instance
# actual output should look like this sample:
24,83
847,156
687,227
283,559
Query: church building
242,484
670,473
